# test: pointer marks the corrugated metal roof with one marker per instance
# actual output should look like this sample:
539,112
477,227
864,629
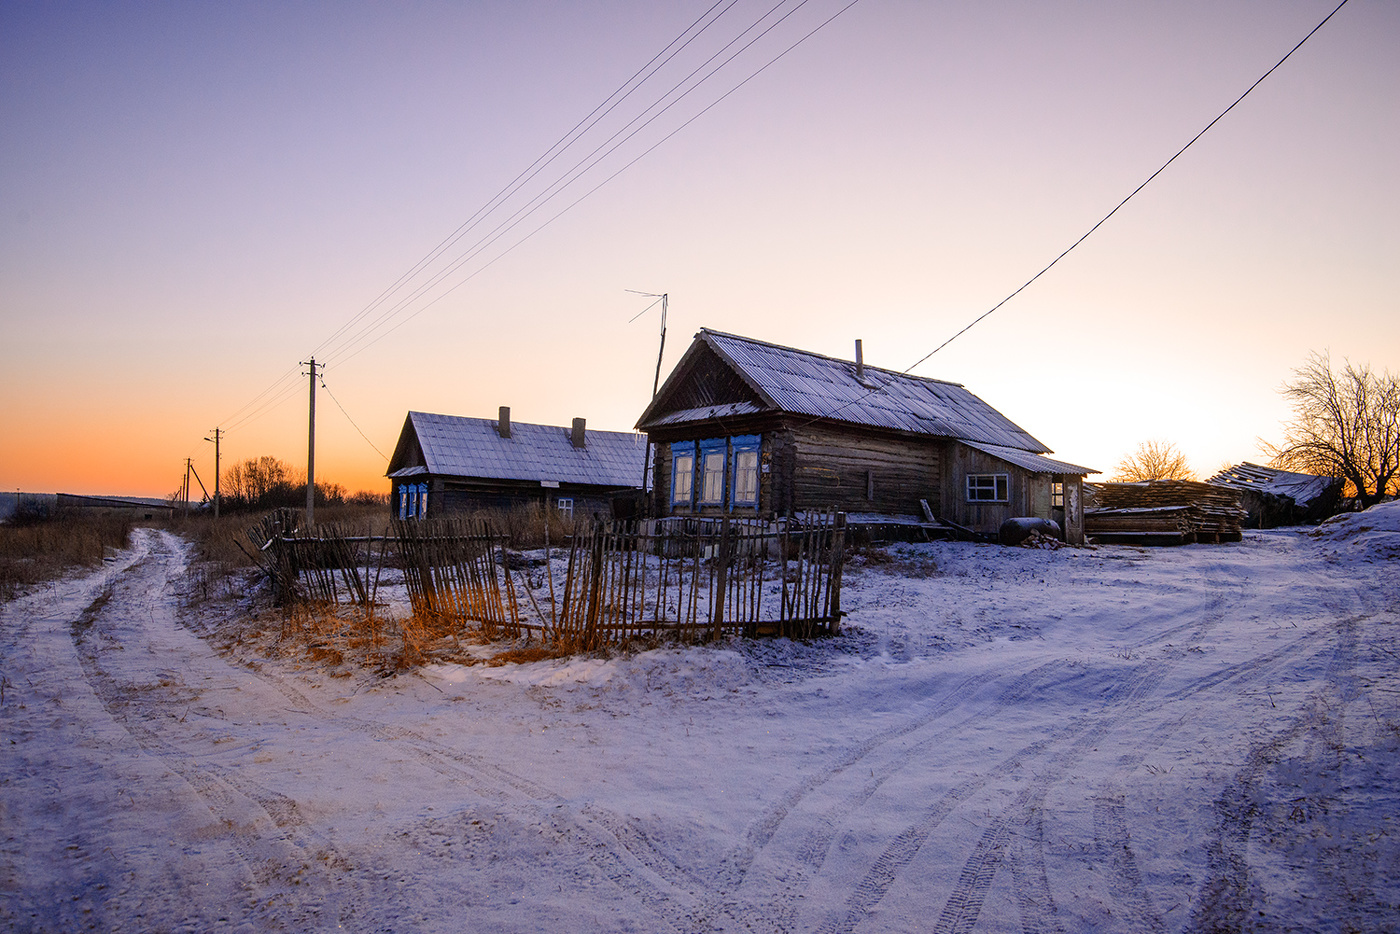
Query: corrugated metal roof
805,383
456,446
1303,488
1028,461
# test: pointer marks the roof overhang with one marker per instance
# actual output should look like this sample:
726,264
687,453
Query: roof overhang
1035,463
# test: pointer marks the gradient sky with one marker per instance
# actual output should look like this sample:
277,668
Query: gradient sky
195,197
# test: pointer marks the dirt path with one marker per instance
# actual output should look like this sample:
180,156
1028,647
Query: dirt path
1206,743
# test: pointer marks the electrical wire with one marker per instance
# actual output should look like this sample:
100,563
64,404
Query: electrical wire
352,421
606,180
1131,194
568,178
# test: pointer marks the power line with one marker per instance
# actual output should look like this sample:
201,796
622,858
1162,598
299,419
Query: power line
1131,194
571,175
348,338
351,420
605,181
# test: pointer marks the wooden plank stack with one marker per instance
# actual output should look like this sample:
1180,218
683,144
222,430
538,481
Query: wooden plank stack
1164,512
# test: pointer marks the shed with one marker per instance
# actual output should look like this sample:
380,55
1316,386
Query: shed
742,426
450,463
1275,497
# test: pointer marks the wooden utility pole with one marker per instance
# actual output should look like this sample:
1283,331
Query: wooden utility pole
311,447
215,439
656,381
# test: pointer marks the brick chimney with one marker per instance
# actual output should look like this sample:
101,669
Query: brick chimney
860,363
503,423
578,436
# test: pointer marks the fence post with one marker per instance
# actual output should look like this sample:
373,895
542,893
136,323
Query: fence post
838,557
590,625
721,578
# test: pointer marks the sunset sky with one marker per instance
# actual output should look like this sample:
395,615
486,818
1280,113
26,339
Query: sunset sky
196,197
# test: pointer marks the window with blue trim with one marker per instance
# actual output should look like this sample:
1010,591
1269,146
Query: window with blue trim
712,458
743,486
682,473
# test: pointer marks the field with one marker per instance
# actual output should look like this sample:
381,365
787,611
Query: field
1204,738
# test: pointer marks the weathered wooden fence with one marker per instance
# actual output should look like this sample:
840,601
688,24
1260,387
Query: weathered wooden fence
687,580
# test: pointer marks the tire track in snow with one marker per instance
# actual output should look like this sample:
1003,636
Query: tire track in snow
1067,747
1229,894
263,828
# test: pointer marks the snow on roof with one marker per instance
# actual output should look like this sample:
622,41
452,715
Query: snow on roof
1028,461
1303,488
805,383
457,446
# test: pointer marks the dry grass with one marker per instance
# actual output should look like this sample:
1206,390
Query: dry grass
524,526
43,550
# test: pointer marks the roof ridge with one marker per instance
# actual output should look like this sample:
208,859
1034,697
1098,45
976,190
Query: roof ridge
519,424
821,356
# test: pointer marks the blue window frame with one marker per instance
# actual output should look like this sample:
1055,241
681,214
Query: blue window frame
712,463
743,479
682,473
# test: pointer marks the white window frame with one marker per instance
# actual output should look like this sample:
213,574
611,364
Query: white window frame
713,462
682,480
565,504
979,485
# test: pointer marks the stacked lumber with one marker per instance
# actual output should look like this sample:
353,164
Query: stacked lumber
1164,512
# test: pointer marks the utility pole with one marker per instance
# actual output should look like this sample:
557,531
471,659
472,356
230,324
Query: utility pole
656,381
215,439
187,488
311,447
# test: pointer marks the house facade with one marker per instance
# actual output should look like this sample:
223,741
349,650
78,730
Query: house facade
448,464
745,427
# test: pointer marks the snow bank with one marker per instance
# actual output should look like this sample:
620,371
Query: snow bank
1370,535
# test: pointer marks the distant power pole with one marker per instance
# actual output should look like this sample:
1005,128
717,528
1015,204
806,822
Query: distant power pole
215,439
311,447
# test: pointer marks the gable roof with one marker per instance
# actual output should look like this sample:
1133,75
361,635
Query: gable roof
798,382
455,446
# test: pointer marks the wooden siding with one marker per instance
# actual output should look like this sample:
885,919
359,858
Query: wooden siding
986,517
710,381
861,472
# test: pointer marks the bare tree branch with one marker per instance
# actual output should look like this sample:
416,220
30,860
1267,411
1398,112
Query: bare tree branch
1154,460
1344,425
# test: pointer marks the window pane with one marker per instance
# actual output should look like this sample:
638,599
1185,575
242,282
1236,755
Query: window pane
746,476
682,478
713,490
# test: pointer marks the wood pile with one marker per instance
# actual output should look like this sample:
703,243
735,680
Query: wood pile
1163,512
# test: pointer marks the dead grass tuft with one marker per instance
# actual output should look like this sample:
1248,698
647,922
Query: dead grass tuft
43,549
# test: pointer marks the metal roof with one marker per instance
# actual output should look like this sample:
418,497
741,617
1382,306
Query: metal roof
456,446
1303,488
804,383
1028,461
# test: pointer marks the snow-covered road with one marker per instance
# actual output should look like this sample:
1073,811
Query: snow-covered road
1195,739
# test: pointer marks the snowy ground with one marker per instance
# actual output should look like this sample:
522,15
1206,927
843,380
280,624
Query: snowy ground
1201,739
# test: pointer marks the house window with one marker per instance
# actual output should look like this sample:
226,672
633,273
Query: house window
566,506
403,501
988,488
422,501
744,485
682,473
712,472
1057,495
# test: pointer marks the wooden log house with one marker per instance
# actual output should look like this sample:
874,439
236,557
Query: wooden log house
744,427
447,464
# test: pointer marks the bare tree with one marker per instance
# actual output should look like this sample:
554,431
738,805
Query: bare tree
1344,425
1154,460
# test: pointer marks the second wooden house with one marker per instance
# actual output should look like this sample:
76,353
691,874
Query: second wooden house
746,427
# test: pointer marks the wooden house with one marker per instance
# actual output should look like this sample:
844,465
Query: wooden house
448,463
750,428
